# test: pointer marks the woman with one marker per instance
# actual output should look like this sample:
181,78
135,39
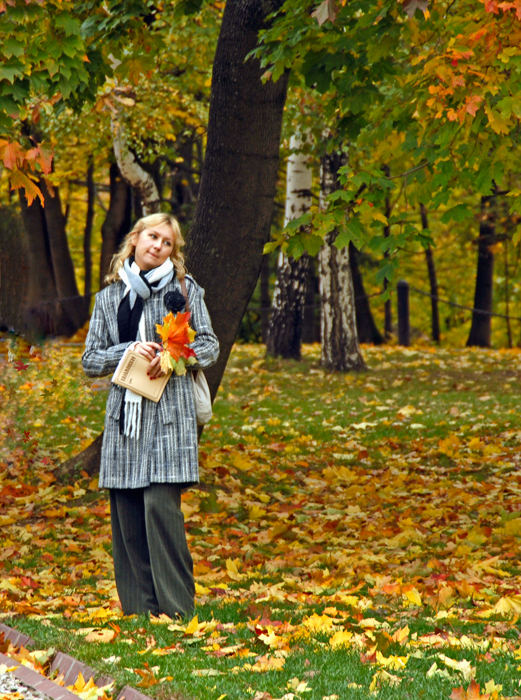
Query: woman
149,451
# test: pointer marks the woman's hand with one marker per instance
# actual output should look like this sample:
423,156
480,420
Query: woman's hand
149,350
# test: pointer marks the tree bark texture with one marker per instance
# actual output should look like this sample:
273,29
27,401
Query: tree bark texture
287,310
433,281
238,183
117,221
340,349
365,324
311,320
289,297
480,330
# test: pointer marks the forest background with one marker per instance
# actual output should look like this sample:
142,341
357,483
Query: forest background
403,120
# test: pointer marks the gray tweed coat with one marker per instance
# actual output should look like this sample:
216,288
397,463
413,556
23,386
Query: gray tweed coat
167,448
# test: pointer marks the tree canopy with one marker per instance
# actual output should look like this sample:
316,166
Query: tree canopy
431,91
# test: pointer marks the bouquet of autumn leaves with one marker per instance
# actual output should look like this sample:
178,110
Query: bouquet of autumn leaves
176,334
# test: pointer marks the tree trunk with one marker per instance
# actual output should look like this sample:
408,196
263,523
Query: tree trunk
71,301
507,287
311,320
287,310
431,269
117,222
365,325
388,308
340,350
137,177
480,330
238,184
87,236
43,315
265,300
289,298
14,269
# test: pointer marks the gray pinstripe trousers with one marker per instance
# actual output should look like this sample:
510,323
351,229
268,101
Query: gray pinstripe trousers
152,564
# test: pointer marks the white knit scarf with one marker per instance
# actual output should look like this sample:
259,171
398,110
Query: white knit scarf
135,286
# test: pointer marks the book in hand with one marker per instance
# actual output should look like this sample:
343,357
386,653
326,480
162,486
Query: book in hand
131,373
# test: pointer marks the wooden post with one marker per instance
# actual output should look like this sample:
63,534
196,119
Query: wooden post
404,328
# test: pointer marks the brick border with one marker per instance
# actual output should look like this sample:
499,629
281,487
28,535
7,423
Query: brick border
36,681
16,638
63,663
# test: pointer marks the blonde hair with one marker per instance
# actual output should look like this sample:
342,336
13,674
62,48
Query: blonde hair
127,248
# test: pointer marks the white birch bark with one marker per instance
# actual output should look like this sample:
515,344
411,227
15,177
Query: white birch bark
285,329
340,349
138,178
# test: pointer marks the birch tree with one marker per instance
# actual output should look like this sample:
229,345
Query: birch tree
133,172
340,349
289,298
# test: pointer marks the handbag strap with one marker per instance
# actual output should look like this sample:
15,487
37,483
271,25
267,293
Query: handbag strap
187,308
185,293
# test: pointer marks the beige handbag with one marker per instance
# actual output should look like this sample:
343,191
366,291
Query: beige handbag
202,398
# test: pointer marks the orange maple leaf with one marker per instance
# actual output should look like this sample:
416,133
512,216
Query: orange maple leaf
12,154
176,334
472,693
42,155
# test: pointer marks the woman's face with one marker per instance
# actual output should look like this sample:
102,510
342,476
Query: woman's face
153,246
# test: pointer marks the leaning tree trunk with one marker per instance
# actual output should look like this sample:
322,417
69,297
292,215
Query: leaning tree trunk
133,172
433,281
365,324
480,330
289,297
340,350
238,184
117,221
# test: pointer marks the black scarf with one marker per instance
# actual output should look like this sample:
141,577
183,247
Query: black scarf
128,319
128,324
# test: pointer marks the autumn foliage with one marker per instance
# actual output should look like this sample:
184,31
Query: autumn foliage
176,335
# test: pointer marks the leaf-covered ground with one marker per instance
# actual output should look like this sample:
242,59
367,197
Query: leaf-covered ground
352,534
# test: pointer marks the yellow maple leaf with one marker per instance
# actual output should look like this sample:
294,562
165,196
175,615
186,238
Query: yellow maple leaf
497,123
383,677
508,605
318,623
395,663
401,635
413,596
192,626
340,639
